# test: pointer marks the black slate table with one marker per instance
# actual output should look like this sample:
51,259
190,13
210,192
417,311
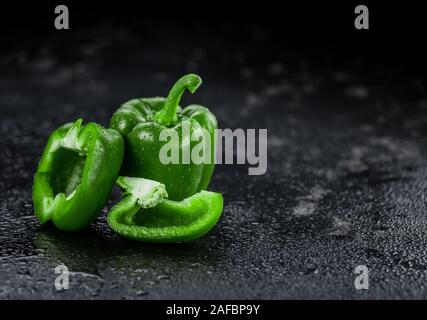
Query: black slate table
345,184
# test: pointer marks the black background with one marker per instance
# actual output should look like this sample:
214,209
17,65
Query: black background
346,114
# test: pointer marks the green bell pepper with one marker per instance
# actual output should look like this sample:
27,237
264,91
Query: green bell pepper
145,215
76,174
141,121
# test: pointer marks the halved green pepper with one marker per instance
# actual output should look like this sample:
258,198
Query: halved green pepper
76,174
145,215
141,121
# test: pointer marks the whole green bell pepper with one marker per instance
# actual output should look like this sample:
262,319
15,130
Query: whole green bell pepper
141,121
76,174
145,215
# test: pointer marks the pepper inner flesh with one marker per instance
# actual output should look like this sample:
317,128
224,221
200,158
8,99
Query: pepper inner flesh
67,170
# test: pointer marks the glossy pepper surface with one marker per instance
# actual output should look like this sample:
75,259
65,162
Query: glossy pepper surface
141,122
76,173
145,215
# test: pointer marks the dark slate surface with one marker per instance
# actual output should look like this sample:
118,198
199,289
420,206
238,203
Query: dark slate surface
345,185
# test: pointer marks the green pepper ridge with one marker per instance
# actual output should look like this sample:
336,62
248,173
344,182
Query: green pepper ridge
76,174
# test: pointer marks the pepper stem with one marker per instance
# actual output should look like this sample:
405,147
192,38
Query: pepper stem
147,193
167,115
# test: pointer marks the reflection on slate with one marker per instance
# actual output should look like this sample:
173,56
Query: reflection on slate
345,184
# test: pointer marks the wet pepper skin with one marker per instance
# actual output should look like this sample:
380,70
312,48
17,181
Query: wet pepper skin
76,174
140,121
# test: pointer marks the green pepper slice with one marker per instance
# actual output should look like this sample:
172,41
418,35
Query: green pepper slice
141,121
76,174
145,215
